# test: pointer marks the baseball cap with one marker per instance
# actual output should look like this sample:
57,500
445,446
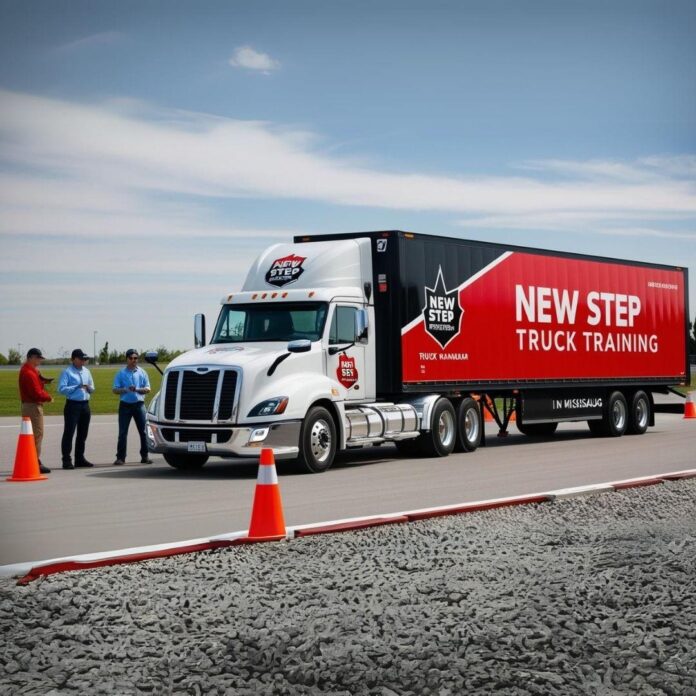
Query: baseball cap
131,351
79,353
34,352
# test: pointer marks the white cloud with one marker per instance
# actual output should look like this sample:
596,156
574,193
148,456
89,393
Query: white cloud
665,225
591,170
249,58
572,226
682,166
205,156
103,38
146,186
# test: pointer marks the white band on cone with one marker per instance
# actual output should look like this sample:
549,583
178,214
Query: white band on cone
26,427
267,475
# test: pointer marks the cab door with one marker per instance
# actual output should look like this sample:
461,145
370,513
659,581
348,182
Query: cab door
346,357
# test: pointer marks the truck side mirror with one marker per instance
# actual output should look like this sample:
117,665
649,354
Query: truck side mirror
151,358
361,324
199,330
300,345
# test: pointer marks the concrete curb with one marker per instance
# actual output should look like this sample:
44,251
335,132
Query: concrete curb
35,569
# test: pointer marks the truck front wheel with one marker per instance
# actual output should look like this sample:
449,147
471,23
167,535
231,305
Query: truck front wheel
317,441
185,462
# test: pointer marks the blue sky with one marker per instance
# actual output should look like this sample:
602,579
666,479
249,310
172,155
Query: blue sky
149,151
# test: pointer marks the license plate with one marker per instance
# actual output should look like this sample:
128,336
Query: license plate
196,447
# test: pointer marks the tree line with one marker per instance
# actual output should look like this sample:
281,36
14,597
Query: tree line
106,356
114,357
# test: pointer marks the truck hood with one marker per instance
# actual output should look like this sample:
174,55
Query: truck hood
239,354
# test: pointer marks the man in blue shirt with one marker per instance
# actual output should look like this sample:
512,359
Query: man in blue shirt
76,385
132,383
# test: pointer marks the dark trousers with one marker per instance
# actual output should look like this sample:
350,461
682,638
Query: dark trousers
76,416
127,411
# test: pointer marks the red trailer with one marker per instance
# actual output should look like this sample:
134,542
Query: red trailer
549,336
354,340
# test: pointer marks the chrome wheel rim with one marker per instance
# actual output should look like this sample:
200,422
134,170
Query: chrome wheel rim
642,413
445,428
320,441
471,425
619,414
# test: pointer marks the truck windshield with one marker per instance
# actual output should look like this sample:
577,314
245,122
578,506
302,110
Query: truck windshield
270,322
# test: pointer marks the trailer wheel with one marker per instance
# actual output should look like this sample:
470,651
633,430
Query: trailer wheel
185,462
439,440
536,429
639,414
469,428
615,420
317,441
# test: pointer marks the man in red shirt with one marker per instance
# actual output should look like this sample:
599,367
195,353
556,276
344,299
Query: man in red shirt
34,396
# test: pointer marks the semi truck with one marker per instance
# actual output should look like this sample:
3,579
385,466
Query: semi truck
343,341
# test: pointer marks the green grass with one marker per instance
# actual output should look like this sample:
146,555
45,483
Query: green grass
102,400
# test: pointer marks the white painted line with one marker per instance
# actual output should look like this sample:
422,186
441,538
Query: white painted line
24,568
580,491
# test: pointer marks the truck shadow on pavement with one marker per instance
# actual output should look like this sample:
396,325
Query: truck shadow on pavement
246,469
237,469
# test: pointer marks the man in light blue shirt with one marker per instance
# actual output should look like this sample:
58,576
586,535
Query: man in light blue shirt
76,385
132,383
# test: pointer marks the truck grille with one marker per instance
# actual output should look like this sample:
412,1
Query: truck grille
200,394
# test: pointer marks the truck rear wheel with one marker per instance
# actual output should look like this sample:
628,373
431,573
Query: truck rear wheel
317,441
639,413
439,440
469,428
617,415
615,419
185,462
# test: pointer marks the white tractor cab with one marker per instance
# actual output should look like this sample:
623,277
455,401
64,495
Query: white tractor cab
290,365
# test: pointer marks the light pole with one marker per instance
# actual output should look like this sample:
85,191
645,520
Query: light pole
94,346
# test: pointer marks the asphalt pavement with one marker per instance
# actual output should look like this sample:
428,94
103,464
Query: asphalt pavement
108,508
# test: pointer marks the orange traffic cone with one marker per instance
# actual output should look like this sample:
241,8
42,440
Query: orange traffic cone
690,406
267,521
487,415
26,466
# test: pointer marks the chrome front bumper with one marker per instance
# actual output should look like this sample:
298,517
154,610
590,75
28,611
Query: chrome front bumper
243,441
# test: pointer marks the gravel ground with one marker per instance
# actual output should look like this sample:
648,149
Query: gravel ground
592,595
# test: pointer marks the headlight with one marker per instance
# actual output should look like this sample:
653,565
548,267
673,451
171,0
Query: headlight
270,407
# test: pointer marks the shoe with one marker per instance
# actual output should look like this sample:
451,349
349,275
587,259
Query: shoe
119,462
146,460
68,465
84,464
43,469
